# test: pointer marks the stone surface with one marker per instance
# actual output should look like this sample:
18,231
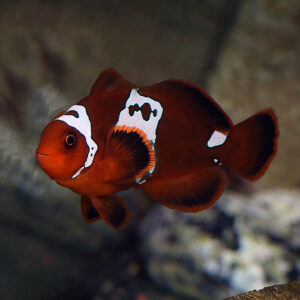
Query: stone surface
244,242
45,244
290,291
259,67
68,43
50,54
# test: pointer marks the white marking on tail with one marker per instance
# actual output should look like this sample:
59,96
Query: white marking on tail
217,139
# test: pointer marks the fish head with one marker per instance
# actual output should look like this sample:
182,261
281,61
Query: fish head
62,150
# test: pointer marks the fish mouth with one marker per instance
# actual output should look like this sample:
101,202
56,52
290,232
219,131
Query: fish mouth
38,154
42,156
45,161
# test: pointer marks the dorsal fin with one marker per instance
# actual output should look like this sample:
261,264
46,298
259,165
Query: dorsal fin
110,79
191,99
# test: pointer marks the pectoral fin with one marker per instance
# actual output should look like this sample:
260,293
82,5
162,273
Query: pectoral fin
129,154
113,210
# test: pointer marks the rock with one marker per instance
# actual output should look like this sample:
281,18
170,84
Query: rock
43,236
70,43
50,55
258,68
290,291
243,242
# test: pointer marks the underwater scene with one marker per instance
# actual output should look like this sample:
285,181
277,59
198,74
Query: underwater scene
172,175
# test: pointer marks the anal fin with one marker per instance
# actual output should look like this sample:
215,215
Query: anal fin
113,210
191,192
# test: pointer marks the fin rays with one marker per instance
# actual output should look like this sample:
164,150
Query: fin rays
112,209
89,213
196,191
131,153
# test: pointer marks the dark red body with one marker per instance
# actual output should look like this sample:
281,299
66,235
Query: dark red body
186,176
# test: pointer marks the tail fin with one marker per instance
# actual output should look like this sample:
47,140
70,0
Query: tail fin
251,145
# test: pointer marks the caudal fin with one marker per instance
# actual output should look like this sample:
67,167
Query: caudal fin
252,144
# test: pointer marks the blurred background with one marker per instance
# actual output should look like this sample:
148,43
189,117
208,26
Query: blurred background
245,53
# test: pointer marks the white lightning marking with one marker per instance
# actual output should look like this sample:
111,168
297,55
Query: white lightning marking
136,120
149,127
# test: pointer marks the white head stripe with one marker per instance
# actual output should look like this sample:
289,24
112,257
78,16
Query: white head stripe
217,138
83,125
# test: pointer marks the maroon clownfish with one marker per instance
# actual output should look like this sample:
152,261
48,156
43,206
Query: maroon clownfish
170,139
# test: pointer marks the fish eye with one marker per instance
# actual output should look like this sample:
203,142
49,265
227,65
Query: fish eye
70,140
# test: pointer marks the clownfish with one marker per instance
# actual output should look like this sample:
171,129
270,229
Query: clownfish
170,139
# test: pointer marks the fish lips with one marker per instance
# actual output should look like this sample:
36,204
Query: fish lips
50,164
46,162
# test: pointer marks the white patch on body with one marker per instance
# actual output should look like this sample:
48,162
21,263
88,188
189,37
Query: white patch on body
83,125
149,127
217,139
136,120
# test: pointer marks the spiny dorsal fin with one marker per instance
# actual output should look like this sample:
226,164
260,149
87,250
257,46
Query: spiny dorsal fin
110,79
